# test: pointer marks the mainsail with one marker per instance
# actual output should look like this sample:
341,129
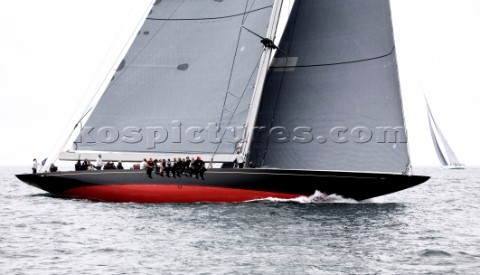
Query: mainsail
186,83
332,98
445,154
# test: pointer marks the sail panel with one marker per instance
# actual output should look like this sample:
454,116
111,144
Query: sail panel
334,103
184,85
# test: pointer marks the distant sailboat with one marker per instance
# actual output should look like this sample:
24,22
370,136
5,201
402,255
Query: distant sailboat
444,152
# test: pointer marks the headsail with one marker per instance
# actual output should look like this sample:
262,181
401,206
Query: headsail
334,102
186,83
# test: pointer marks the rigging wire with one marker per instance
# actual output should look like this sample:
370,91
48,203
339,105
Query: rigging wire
114,80
240,30
103,61
124,48
53,155
250,10
268,44
233,65
238,104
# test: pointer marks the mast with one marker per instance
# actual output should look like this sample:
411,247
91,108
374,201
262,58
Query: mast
262,75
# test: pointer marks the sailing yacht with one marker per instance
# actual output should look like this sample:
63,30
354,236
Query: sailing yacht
445,154
320,110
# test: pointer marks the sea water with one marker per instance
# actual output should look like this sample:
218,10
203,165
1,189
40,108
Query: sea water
433,228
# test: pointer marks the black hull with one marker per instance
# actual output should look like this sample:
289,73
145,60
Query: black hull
219,185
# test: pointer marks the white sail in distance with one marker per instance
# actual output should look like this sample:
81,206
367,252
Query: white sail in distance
445,154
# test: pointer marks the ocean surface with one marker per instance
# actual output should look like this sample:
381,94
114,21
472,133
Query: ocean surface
433,228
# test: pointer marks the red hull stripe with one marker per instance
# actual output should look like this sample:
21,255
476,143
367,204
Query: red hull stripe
155,193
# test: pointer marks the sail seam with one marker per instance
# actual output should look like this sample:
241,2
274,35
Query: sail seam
210,18
338,63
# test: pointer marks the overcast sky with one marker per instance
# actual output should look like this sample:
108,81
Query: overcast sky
53,51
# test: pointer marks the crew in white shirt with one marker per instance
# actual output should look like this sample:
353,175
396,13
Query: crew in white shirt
99,162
